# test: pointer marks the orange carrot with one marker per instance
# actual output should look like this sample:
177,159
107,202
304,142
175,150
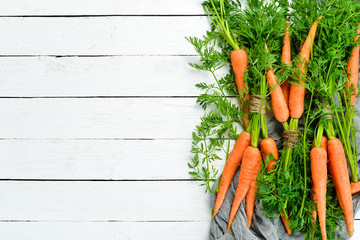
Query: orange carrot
286,58
238,56
318,158
341,179
323,142
336,185
278,103
297,92
355,187
353,72
285,87
286,50
230,167
268,146
251,159
239,63
251,196
286,223
314,213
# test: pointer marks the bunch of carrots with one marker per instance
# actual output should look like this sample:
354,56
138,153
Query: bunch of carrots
256,39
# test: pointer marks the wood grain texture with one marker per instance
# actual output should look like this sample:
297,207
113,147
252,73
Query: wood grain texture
85,139
105,230
100,76
104,7
96,159
103,201
100,35
150,118
111,230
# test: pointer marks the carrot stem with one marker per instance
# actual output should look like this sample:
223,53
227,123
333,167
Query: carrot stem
292,126
318,135
345,140
220,23
304,152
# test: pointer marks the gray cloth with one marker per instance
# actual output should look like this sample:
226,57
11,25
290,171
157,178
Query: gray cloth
261,228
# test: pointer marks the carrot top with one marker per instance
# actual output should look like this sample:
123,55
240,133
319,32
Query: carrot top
334,43
218,18
285,191
326,76
212,137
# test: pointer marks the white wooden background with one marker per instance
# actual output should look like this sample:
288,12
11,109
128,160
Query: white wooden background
97,105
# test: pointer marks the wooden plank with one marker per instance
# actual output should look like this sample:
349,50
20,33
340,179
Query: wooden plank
171,118
105,230
95,159
104,201
100,35
100,76
113,230
105,7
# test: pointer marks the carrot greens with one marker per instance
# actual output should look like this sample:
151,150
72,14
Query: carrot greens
242,55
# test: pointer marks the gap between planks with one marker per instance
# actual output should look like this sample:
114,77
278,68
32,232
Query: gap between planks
35,97
96,56
105,15
105,7
107,221
97,180
113,221
74,97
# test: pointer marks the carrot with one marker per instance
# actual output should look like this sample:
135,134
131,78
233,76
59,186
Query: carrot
318,158
251,196
268,146
353,72
239,63
314,213
285,87
297,92
355,187
323,143
251,159
341,180
238,56
230,167
278,103
336,185
286,49
286,58
286,223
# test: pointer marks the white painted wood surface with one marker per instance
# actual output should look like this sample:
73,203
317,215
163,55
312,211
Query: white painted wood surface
99,35
108,159
165,201
97,109
105,230
104,76
104,7
121,118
